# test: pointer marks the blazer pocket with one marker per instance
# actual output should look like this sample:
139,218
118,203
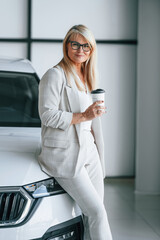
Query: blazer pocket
55,143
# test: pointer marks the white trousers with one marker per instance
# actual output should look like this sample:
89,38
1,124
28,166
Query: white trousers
87,189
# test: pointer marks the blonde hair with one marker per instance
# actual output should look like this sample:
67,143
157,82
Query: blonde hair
89,67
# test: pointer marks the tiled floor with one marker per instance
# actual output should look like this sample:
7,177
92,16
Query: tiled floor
131,216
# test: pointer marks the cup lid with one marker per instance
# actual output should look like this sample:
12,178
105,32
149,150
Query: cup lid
99,90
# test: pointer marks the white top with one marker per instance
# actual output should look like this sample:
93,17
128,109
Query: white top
85,101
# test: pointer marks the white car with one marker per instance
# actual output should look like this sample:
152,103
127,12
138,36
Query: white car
33,206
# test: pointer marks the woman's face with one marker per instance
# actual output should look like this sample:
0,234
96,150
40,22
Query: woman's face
78,56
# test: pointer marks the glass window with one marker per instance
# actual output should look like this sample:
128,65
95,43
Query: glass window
108,19
46,55
15,50
19,100
13,18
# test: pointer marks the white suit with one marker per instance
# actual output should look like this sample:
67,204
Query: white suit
72,155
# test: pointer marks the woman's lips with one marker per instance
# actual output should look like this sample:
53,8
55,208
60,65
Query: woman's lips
77,55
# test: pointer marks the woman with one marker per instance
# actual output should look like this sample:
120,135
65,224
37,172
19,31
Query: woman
72,143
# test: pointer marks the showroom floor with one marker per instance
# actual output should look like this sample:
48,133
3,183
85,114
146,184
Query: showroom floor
131,216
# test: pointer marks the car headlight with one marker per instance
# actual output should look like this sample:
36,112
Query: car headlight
44,188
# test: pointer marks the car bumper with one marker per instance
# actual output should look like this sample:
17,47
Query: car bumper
54,215
70,230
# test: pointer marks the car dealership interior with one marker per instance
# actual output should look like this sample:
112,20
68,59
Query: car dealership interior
127,34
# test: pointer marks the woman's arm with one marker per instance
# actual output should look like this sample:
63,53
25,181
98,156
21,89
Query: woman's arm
50,88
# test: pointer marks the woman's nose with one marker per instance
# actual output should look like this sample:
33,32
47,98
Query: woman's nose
80,49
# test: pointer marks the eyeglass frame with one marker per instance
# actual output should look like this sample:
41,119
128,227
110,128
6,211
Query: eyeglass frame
80,45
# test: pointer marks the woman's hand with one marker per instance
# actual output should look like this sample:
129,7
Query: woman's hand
94,111
91,112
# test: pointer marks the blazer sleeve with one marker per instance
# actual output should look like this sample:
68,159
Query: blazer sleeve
50,88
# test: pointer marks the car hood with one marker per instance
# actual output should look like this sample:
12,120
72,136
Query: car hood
19,149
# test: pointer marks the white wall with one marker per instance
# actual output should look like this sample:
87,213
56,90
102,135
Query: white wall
117,66
148,98
108,19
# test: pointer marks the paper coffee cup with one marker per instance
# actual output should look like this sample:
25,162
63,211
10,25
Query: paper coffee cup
98,95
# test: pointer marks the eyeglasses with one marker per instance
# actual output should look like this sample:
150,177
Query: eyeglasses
76,45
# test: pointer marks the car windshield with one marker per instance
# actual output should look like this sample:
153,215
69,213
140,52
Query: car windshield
19,100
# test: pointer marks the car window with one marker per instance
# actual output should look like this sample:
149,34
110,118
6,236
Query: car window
19,100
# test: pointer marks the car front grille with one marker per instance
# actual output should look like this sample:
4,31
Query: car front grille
15,204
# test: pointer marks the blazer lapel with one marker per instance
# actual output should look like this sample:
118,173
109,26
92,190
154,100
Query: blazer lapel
73,97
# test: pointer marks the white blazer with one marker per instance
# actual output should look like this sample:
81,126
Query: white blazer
63,149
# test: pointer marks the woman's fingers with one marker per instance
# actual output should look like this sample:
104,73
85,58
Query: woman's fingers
100,110
96,106
99,107
97,102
